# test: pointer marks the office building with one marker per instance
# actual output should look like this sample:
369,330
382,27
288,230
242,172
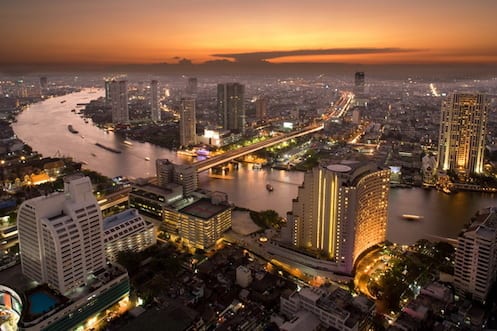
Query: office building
476,256
187,123
335,308
107,92
341,210
127,231
154,101
118,91
61,237
230,105
261,106
181,174
192,86
463,130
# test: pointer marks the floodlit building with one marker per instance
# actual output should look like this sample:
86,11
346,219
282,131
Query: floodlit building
61,243
61,237
118,95
476,256
231,107
341,211
127,231
463,130
187,122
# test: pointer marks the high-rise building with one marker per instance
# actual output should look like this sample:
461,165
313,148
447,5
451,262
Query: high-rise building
61,236
261,105
230,105
463,130
154,100
191,87
476,256
187,126
341,210
359,82
181,174
119,101
107,92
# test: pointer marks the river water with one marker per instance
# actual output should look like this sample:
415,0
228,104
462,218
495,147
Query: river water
43,126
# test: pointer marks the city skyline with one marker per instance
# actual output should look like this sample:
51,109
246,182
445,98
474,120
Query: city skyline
382,32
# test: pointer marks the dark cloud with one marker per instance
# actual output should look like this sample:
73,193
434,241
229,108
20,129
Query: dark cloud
263,56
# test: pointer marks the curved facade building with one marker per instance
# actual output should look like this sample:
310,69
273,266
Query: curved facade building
340,212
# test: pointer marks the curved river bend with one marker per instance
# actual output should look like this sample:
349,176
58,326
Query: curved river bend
44,126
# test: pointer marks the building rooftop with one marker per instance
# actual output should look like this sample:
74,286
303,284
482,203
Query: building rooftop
120,218
204,209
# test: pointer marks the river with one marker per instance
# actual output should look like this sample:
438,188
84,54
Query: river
43,126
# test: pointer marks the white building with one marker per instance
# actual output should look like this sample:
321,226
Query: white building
61,236
127,231
463,130
118,91
341,211
476,256
243,276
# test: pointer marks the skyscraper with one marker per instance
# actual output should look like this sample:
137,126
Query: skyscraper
475,266
61,236
119,101
261,104
191,87
463,129
341,211
230,105
154,100
188,126
359,82
107,92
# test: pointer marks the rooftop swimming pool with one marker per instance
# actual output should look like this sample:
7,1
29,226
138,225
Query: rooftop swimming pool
41,302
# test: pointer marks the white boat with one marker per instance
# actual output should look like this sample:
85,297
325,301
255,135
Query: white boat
147,158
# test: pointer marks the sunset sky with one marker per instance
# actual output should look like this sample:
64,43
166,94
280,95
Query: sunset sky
152,31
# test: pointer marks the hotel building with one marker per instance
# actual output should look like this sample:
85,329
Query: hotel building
476,256
463,130
341,211
61,243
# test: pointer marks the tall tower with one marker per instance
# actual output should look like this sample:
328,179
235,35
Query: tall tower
61,236
359,82
476,256
191,87
119,101
107,92
341,210
230,105
463,130
261,104
154,100
188,126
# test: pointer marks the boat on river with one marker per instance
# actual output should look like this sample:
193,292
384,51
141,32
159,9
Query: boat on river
269,187
72,129
110,149
411,217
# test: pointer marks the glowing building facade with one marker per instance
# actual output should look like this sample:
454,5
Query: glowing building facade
187,123
463,129
341,211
